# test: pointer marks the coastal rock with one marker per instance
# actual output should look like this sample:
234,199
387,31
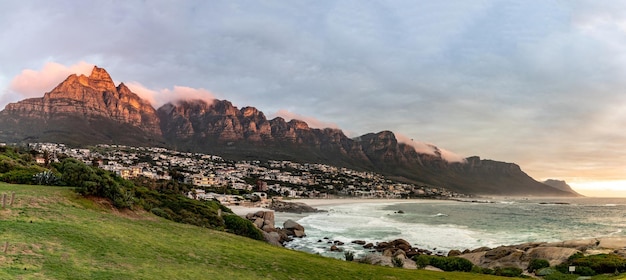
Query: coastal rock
272,238
512,256
264,220
359,242
612,243
554,255
291,224
377,259
581,245
291,207
454,253
292,228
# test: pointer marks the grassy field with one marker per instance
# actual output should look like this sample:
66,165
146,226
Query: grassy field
53,233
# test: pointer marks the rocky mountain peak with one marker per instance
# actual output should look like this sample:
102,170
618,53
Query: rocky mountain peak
89,99
101,80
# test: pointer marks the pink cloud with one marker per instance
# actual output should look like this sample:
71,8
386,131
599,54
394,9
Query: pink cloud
430,149
34,83
312,122
162,96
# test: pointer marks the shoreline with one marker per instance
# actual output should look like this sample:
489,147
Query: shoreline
317,202
242,210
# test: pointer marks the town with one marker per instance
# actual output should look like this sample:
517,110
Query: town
233,182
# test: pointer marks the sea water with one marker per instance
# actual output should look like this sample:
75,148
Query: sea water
442,225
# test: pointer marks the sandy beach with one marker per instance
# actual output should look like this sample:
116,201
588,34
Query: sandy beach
317,202
322,202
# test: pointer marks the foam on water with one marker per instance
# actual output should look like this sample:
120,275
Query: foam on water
443,226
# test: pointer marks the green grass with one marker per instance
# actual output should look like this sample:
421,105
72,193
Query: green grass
55,234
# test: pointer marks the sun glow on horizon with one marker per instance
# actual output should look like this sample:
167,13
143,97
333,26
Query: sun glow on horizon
614,188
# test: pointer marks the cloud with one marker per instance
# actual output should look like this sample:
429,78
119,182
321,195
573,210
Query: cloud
162,96
430,149
312,122
34,83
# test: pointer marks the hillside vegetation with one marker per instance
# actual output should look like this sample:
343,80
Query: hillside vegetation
54,233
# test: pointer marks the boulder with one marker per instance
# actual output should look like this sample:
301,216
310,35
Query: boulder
298,233
377,259
268,228
454,253
612,243
292,225
258,222
272,238
388,252
334,248
399,254
368,246
554,255
291,207
359,242
581,245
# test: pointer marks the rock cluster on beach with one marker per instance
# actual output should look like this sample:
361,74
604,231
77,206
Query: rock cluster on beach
382,253
556,252
264,220
292,207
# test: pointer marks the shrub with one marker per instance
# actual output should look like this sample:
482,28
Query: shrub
19,176
536,264
241,226
161,213
349,255
397,262
601,263
508,271
421,261
451,263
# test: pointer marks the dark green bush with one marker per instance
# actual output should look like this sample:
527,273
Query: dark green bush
451,263
599,264
536,264
421,261
161,213
241,226
508,271
19,176
349,255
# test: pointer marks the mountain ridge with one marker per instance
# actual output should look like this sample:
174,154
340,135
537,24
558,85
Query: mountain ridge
85,110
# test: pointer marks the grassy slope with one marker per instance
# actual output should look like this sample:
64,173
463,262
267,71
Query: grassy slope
55,234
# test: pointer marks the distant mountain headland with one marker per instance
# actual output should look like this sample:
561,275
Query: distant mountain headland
87,110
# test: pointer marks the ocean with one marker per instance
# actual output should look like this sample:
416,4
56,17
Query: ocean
442,225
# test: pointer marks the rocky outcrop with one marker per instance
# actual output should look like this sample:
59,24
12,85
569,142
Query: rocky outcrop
83,110
264,220
555,253
293,228
95,96
291,207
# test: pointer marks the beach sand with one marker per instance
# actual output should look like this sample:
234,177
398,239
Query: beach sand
322,202
317,202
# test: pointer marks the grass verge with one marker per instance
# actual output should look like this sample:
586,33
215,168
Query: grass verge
53,233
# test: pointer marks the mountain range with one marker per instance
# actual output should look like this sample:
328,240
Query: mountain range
86,110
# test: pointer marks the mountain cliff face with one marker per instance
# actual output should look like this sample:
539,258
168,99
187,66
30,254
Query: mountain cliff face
90,110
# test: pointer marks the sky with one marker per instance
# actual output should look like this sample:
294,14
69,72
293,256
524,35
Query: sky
537,83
